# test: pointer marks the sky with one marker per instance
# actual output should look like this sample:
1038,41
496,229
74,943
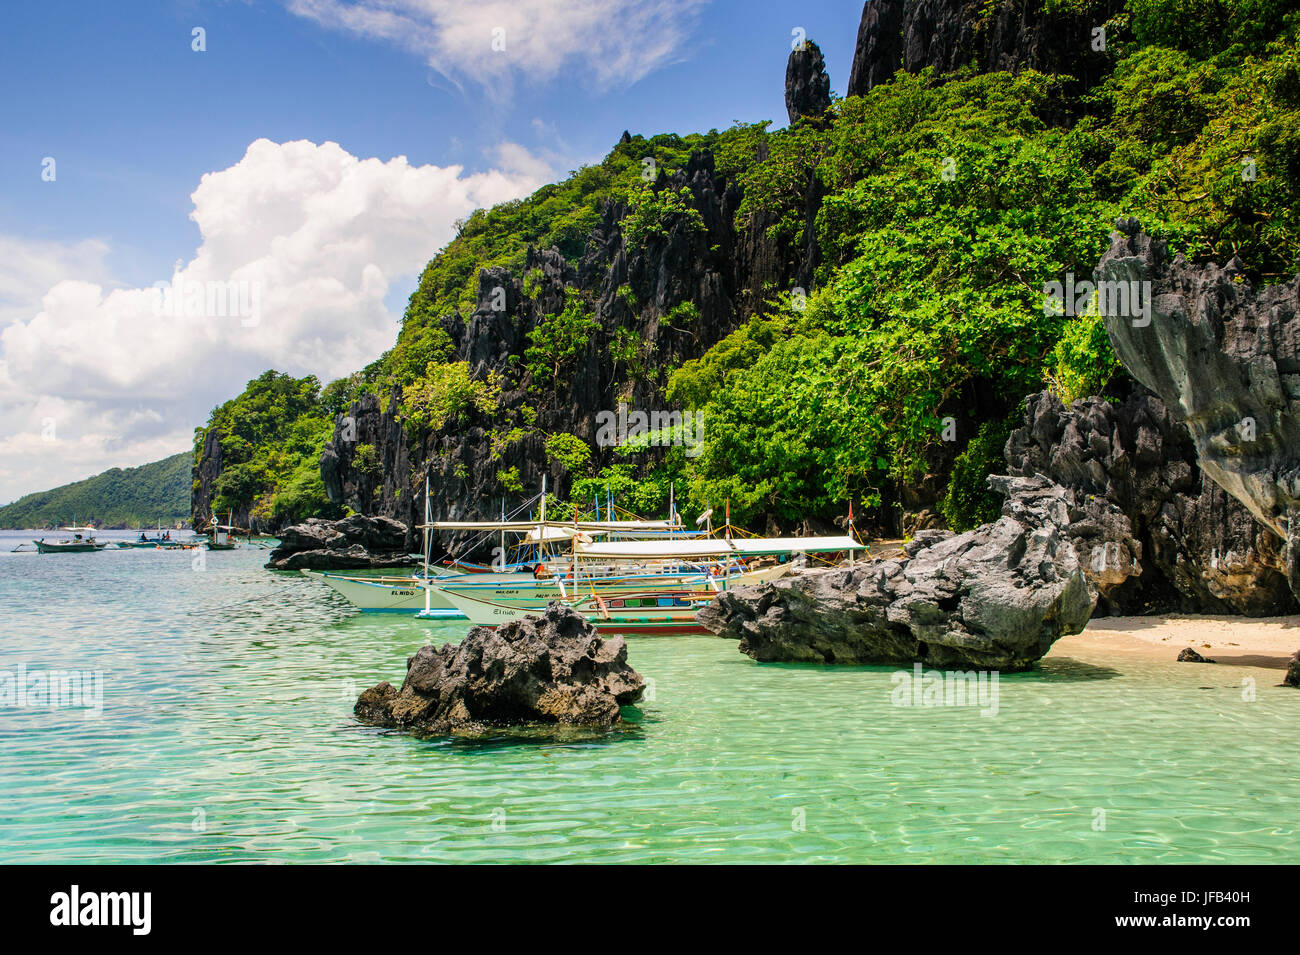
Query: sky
192,192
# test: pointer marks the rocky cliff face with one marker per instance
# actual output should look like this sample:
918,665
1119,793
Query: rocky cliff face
1188,546
1012,35
721,270
1224,358
204,475
807,86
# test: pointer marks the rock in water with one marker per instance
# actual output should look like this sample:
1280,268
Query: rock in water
807,85
1224,358
552,668
356,541
1292,677
1188,655
993,598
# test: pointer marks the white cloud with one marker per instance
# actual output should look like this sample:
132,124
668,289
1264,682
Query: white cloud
29,267
615,42
314,237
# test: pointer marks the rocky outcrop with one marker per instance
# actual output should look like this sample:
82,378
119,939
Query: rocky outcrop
1013,35
356,541
204,476
552,668
1188,655
1196,549
807,85
1224,358
994,598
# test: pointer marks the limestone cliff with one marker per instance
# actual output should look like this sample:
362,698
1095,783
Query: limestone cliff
1224,358
947,35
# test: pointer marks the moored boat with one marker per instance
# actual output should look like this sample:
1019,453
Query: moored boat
81,541
647,612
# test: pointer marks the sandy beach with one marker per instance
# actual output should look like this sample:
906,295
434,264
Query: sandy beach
1237,641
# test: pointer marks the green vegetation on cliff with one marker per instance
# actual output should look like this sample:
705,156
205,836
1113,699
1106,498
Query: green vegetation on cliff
950,201
126,497
271,440
940,207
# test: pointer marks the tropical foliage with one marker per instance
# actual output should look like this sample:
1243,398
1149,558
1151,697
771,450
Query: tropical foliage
271,439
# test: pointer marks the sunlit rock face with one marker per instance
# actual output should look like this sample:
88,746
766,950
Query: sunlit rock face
552,668
1196,548
1224,357
1012,35
994,598
807,85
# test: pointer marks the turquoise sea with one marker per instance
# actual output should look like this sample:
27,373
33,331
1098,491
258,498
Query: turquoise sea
226,735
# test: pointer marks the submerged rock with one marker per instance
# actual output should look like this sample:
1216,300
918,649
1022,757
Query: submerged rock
356,541
1188,655
993,598
552,668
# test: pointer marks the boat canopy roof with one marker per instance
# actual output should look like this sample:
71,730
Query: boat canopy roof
72,529
715,547
573,527
555,534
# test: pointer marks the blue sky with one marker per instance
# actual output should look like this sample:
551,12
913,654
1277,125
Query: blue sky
134,118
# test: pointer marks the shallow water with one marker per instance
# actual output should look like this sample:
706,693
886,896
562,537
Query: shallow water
227,736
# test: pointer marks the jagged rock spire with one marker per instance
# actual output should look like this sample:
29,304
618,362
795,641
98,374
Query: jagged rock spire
807,86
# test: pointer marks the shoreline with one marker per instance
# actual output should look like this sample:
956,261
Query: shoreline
1263,642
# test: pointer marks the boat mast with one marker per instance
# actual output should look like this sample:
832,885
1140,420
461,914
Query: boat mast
428,593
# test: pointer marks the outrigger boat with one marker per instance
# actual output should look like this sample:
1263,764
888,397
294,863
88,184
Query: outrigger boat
222,534
408,593
641,603
657,612
159,540
81,541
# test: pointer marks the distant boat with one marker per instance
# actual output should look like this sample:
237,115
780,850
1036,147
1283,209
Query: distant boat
159,540
81,541
222,534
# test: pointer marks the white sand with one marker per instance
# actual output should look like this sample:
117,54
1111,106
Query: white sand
1239,641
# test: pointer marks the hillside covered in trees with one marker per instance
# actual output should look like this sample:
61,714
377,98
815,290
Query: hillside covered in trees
120,497
258,456
853,304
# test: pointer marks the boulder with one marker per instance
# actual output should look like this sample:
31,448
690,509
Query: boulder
1224,358
553,668
1292,677
1188,655
993,598
355,541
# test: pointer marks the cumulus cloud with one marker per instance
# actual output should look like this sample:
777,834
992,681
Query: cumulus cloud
614,42
301,243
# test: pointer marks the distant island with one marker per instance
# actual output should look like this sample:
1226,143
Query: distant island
119,497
